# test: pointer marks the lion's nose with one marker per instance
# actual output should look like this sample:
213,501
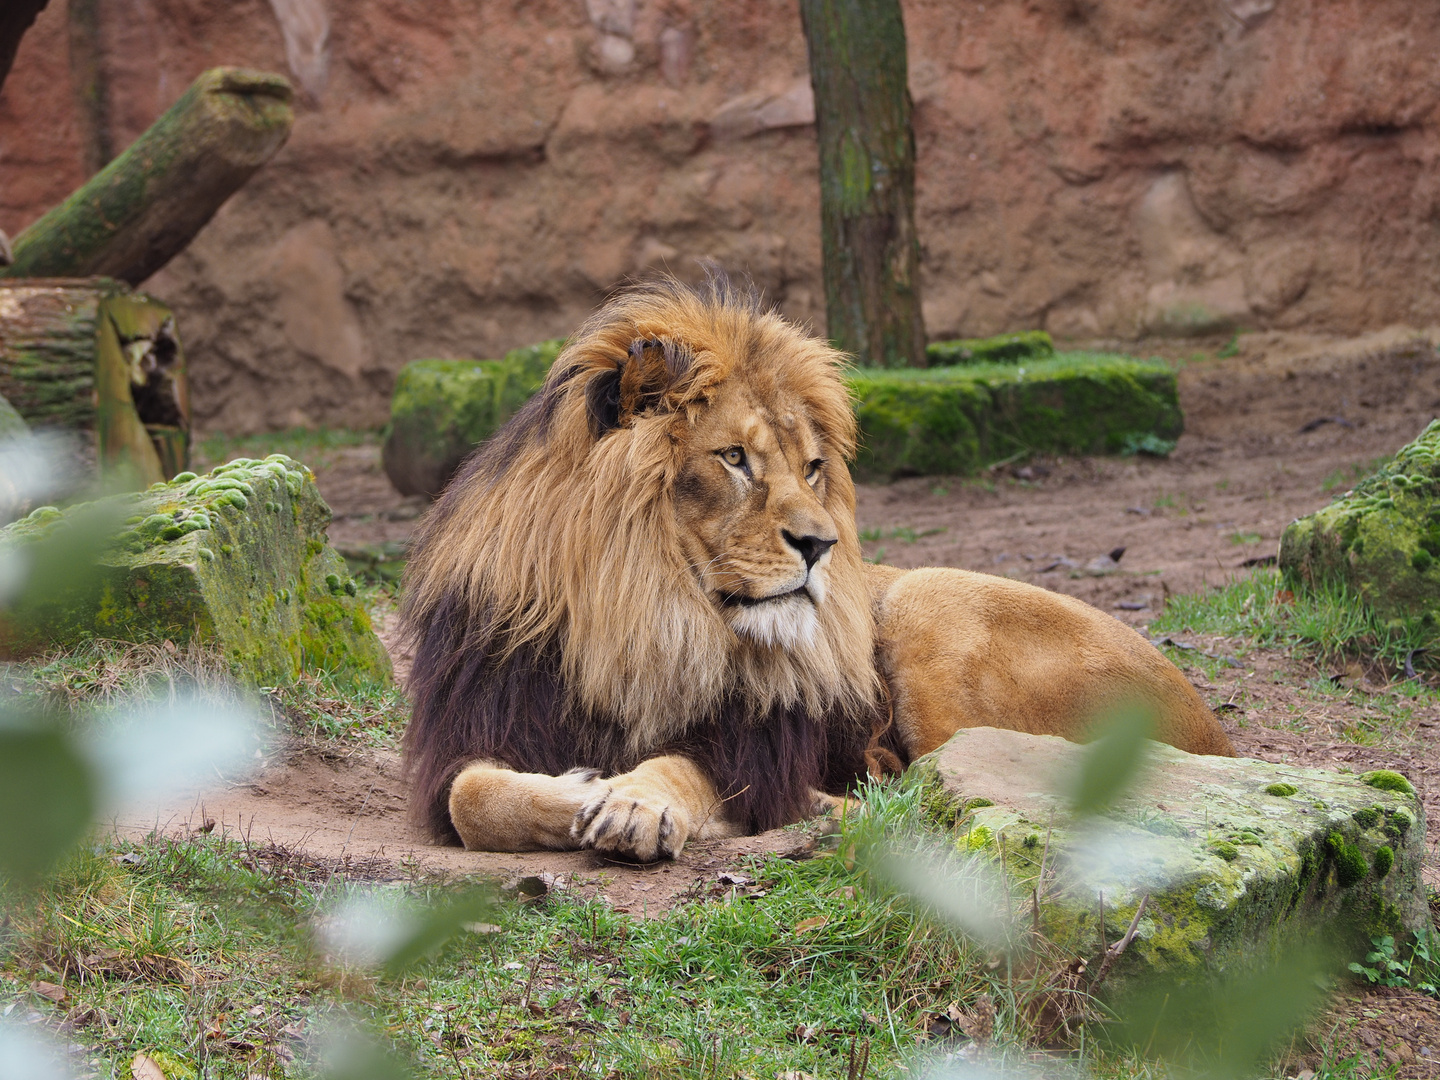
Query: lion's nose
810,547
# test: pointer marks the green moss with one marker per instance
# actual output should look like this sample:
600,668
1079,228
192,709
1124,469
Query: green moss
1384,860
1281,789
443,409
958,419
1381,541
1226,850
1350,866
1006,348
1367,817
1388,780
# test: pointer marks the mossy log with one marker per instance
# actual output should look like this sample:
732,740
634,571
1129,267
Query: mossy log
869,247
236,559
143,208
93,356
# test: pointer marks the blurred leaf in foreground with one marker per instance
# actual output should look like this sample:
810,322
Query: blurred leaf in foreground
1113,760
47,796
26,1055
1225,1027
376,928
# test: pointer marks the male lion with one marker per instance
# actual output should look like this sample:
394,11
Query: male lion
640,612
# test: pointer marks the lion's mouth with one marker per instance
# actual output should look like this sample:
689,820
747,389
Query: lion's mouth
739,600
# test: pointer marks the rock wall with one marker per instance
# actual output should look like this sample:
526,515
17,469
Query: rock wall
471,176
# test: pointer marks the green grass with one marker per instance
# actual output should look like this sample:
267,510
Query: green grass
100,673
1327,625
203,949
904,533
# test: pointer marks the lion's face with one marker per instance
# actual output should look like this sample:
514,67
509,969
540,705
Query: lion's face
751,510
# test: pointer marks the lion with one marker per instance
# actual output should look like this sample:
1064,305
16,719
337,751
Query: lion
640,614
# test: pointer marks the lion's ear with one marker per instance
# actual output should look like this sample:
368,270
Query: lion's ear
636,385
602,400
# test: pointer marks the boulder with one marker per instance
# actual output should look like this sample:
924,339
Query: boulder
443,409
960,419
236,558
1006,348
1237,857
1381,539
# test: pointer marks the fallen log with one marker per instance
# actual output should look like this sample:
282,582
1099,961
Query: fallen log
94,357
144,208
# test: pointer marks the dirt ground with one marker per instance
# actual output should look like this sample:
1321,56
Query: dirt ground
1272,433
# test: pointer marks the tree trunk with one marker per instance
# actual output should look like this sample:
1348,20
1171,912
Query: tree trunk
93,356
142,209
16,17
87,77
867,179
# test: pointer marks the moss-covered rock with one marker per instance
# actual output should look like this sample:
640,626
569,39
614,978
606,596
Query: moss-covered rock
1231,871
959,419
1007,348
443,409
1381,540
237,558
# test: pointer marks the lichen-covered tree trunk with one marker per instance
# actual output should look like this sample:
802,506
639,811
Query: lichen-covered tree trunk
92,356
16,17
87,77
142,209
867,179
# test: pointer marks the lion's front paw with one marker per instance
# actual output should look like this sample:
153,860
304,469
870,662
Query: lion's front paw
633,825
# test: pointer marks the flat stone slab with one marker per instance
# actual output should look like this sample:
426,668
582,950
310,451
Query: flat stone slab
1237,857
236,558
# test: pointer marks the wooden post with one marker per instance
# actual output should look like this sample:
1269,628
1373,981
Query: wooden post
92,356
867,179
142,209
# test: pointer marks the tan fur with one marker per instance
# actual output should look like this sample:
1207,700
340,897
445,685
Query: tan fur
633,550
960,649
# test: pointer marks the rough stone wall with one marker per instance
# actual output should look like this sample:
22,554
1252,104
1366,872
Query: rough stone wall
471,176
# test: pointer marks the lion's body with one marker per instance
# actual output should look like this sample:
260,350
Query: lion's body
641,614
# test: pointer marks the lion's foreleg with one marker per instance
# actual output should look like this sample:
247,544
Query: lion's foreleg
649,812
498,809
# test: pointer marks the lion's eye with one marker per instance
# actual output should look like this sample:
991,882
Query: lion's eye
812,471
734,456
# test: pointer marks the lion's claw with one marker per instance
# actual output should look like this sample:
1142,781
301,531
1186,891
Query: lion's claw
631,826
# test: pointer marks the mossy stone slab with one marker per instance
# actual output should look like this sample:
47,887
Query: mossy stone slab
1381,539
1239,858
443,409
960,419
236,558
1005,348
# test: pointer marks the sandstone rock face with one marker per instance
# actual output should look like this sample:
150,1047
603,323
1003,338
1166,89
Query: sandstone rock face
236,558
468,178
1237,857
1382,539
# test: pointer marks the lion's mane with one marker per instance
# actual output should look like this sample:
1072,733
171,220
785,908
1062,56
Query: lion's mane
555,621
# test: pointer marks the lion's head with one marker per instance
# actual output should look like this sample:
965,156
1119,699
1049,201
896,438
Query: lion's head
670,521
